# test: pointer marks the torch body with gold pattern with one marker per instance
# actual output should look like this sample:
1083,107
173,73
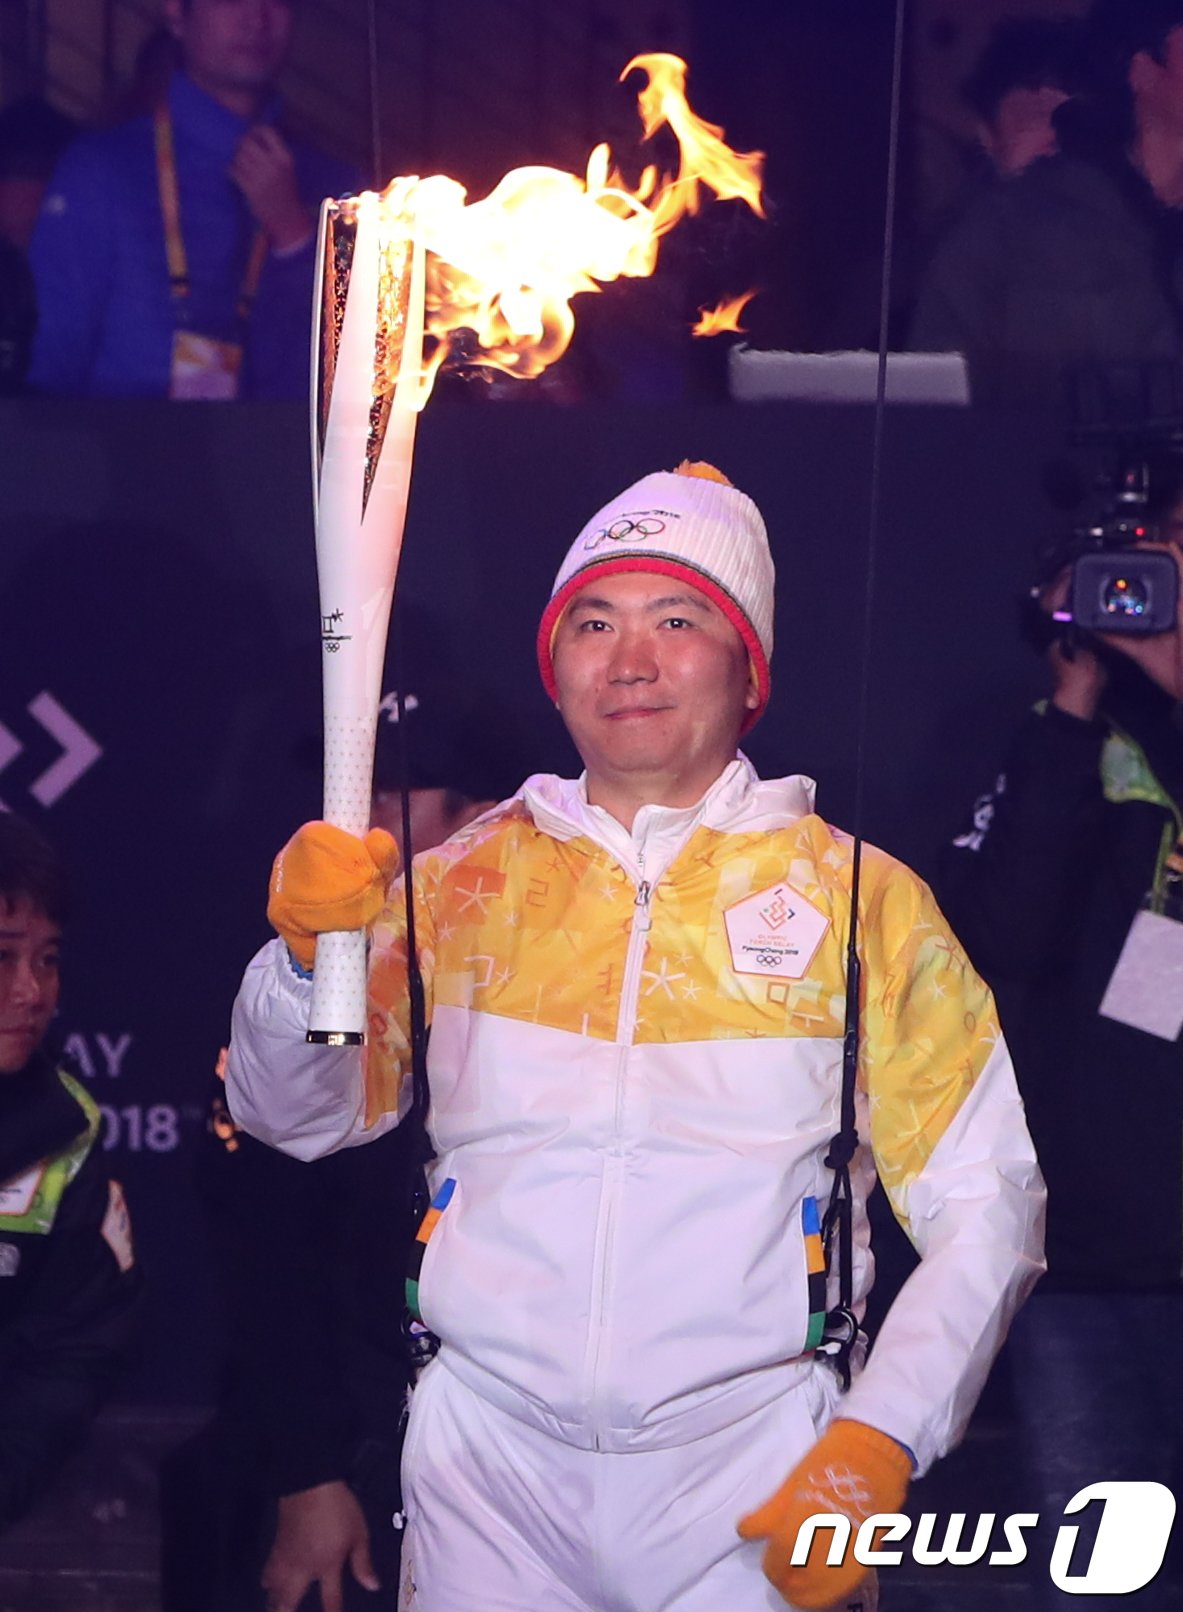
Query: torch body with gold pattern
366,394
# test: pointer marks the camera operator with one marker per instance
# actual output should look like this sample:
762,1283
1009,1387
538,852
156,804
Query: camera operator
1052,885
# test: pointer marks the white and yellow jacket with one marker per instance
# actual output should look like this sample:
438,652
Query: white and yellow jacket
635,1126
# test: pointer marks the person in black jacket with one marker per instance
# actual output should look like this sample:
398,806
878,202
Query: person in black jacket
1078,835
1029,67
69,1283
1075,265
310,1420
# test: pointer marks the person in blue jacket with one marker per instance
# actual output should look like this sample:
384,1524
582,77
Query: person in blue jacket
173,256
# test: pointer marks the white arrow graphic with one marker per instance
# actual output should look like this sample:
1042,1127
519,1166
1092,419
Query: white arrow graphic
79,750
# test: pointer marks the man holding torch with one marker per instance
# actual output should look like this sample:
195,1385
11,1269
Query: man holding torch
636,985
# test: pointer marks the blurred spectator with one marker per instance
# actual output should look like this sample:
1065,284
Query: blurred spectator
1165,510
18,319
1073,848
174,253
302,1462
459,763
157,59
32,138
1075,261
69,1279
296,1476
1030,66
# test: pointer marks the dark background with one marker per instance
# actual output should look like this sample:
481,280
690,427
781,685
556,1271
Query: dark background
157,578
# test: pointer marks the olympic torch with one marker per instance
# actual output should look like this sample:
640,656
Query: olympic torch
417,263
367,364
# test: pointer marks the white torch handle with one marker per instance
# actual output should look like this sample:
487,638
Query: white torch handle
339,989
338,1014
358,542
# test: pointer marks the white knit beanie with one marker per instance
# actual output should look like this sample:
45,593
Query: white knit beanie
689,523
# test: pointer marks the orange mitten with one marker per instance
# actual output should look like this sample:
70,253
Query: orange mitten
327,879
853,1469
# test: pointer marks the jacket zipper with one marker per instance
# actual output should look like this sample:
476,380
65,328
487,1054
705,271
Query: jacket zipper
625,1030
626,1019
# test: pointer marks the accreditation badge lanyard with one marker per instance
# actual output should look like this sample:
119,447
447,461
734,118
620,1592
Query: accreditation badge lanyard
1146,987
201,368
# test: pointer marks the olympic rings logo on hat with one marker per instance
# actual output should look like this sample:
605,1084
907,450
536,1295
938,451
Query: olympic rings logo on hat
628,526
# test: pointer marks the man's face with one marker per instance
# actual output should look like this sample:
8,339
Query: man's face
653,684
1022,129
232,45
1158,86
29,981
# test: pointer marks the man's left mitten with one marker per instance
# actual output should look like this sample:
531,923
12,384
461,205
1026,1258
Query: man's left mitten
325,879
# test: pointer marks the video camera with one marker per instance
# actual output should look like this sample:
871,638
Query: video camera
1115,584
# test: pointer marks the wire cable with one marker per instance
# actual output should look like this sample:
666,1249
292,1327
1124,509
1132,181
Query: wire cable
377,168
876,486
841,1324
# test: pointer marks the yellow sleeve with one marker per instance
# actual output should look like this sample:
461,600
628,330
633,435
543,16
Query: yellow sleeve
388,1039
930,1026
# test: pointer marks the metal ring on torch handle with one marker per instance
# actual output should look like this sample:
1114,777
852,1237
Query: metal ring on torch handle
362,486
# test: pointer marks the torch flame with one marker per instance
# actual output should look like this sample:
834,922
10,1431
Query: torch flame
713,321
505,268
706,158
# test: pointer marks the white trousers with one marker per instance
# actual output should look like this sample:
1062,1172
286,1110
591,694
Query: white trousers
504,1518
